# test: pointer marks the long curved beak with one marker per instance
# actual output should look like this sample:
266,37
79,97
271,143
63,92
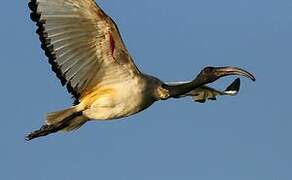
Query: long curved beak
226,71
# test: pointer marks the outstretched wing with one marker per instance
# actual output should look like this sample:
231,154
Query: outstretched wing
82,43
205,93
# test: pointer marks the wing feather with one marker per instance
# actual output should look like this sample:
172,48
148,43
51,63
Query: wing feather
205,93
83,44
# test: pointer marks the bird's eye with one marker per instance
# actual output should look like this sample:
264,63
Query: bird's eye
208,69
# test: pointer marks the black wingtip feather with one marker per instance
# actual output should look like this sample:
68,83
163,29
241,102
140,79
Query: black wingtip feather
201,100
48,47
234,86
212,98
32,6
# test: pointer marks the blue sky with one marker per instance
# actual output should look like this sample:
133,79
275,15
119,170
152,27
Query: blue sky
242,137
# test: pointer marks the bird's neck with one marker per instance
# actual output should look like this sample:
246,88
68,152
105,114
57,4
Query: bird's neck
177,90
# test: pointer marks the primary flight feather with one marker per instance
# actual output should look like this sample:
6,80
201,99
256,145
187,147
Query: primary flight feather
88,55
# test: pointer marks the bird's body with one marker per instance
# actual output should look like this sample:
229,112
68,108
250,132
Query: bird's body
107,103
87,53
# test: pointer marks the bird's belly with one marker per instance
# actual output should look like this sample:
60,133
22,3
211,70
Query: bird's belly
122,100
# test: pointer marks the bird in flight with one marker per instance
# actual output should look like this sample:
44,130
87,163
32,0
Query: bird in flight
88,55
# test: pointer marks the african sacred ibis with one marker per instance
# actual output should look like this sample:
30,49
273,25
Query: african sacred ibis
87,53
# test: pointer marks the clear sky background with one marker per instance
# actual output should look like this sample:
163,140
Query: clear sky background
247,137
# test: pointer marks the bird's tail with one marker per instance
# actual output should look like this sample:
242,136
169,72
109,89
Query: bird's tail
64,120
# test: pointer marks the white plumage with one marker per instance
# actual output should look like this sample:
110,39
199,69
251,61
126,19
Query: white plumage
87,53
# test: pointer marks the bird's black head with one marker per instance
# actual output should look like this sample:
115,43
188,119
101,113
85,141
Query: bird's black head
211,74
